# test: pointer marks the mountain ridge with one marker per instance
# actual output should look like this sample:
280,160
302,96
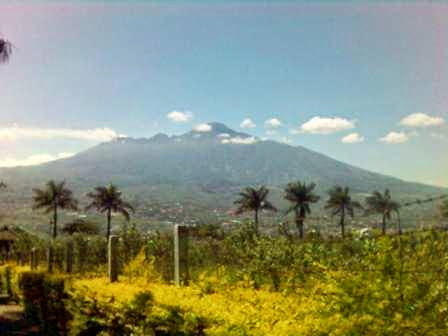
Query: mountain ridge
217,159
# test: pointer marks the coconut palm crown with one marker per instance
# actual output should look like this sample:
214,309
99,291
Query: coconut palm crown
108,200
55,196
340,203
301,196
382,204
253,199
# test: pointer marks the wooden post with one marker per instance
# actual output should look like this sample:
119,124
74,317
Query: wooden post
69,257
50,258
33,259
112,258
180,255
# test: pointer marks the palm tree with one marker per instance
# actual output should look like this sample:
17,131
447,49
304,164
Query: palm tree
5,50
384,205
341,203
108,200
252,199
301,196
444,209
55,196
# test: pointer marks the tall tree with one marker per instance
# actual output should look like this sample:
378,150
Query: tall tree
384,205
253,199
108,200
444,209
340,203
301,196
5,50
55,196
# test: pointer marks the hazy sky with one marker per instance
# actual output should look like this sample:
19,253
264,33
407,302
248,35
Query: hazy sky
375,75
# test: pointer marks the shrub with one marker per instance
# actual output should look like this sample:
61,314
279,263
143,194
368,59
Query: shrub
44,299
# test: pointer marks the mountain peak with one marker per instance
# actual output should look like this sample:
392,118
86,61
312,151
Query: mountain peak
213,130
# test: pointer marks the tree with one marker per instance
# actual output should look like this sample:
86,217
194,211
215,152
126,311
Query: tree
5,50
55,196
252,199
80,226
108,200
301,196
444,209
382,204
341,203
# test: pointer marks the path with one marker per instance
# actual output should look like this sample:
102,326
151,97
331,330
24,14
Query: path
13,323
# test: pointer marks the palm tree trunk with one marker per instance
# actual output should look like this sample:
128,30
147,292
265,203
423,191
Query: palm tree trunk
256,221
342,222
384,224
399,223
299,222
109,217
55,222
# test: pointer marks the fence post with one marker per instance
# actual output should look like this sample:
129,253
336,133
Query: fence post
69,257
33,259
50,258
112,258
180,255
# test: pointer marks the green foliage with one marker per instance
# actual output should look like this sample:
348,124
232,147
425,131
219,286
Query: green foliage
96,315
444,209
81,226
44,299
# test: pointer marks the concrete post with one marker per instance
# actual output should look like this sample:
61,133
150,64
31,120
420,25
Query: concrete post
112,258
180,255
69,257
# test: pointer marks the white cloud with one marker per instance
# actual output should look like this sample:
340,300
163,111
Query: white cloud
96,134
224,135
421,120
202,128
240,141
318,125
395,138
180,116
247,123
272,123
271,132
286,140
352,138
439,136
33,159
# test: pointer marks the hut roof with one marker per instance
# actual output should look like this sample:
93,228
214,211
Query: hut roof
6,234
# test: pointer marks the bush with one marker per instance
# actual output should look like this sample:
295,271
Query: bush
44,300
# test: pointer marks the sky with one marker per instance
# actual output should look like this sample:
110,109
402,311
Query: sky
365,83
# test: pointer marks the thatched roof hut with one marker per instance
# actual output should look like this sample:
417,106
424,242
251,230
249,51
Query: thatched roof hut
7,235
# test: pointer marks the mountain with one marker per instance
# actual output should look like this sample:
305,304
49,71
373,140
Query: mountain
202,165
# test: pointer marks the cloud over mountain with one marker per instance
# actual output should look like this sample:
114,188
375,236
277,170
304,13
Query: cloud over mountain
96,134
352,138
247,123
180,116
319,125
395,138
421,120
